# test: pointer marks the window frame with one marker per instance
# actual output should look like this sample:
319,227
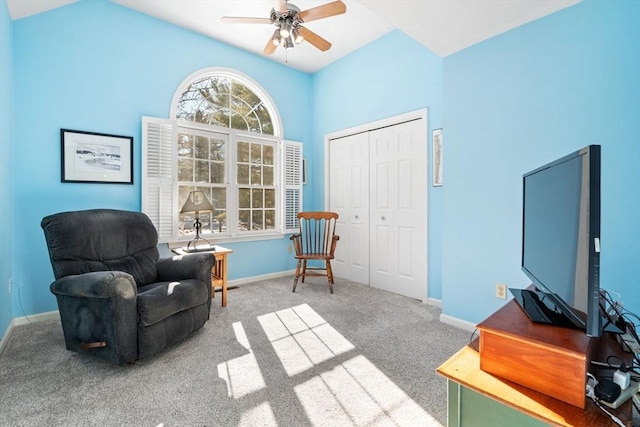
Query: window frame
232,197
235,75
284,167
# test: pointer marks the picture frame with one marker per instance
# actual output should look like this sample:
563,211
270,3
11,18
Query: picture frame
92,157
437,157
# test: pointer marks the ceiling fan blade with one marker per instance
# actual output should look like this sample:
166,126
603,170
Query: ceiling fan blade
269,48
280,6
243,20
314,39
324,11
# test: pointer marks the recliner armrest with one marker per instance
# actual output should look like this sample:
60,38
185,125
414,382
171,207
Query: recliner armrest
98,284
191,266
98,311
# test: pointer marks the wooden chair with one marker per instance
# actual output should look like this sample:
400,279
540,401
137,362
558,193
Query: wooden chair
315,241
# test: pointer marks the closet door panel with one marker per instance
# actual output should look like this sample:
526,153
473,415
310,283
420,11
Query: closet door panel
349,197
378,185
398,206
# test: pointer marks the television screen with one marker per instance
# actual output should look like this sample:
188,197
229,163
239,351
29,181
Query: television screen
561,241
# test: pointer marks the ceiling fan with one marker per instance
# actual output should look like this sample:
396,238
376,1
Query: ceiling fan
288,19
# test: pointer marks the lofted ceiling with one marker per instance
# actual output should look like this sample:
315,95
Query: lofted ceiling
442,26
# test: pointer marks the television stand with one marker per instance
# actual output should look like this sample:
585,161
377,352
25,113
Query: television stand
549,359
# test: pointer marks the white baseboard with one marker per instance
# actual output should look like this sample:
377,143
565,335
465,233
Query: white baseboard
5,337
458,323
17,321
267,276
40,317
434,303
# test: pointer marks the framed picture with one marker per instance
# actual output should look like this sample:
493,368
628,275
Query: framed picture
437,157
96,157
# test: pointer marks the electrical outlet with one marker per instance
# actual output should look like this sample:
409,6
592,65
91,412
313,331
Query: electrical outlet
290,248
501,291
10,284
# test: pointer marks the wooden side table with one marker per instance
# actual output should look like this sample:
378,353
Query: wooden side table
219,270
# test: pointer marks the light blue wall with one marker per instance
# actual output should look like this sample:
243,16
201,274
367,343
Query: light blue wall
512,103
6,66
518,101
390,76
97,66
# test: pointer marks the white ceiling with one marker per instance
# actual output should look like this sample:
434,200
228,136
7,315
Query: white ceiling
443,26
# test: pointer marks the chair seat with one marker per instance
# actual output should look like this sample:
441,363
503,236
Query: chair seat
155,304
314,256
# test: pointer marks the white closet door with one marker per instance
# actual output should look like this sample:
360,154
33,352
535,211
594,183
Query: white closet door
349,190
398,200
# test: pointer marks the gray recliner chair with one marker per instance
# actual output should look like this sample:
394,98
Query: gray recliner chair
117,299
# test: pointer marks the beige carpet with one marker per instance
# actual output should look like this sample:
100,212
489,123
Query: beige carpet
359,357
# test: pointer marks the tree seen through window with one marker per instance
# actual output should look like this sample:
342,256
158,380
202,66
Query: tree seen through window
204,161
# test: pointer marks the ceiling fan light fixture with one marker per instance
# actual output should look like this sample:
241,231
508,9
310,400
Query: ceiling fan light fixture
276,39
285,28
288,43
297,37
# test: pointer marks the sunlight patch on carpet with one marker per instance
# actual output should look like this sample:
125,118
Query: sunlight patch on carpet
356,393
261,415
242,374
302,339
352,393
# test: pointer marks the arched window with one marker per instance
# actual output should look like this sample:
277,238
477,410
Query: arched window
221,100
227,143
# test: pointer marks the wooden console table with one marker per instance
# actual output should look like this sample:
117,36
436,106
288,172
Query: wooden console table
476,398
480,398
219,270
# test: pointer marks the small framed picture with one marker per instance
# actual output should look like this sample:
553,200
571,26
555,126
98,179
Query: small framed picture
437,158
96,157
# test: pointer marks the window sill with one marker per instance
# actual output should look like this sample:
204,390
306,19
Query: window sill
228,239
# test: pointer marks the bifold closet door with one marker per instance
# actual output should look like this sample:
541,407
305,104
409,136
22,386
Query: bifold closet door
349,197
378,186
398,209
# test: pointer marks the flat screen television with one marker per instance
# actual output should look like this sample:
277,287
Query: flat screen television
561,242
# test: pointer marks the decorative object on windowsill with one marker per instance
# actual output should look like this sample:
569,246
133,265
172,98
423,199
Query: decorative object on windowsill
288,20
197,202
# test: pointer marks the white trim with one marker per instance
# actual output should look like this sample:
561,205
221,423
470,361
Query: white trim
24,320
433,302
40,317
5,337
231,239
268,276
458,323
234,74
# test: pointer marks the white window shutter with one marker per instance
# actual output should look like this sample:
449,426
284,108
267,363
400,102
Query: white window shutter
159,182
292,184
